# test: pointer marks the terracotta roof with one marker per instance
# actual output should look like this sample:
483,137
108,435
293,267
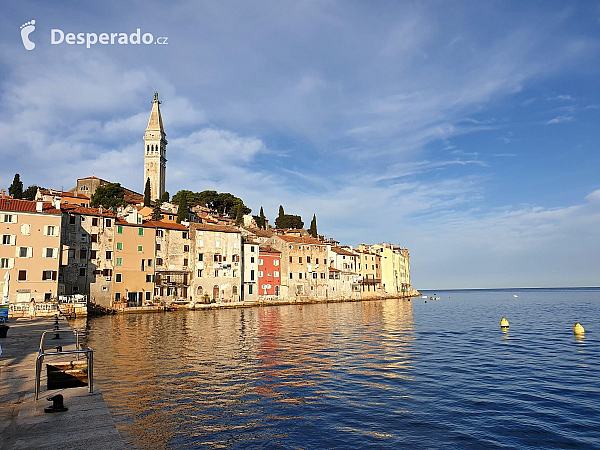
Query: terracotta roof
267,249
86,211
341,251
210,227
91,178
301,240
333,269
16,205
170,225
65,194
259,232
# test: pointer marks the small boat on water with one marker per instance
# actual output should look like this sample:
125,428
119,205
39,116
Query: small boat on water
515,296
423,296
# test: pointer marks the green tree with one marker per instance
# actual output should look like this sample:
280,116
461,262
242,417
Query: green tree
165,197
239,215
313,227
293,221
183,212
262,219
15,190
178,198
109,196
208,198
31,192
157,212
280,222
147,193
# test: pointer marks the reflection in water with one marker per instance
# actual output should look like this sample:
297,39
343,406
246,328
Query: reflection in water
251,376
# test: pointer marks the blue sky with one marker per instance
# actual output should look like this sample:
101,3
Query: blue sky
464,131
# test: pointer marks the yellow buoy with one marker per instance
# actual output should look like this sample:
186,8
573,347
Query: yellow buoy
578,329
504,323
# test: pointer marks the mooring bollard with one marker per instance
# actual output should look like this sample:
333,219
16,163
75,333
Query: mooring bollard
57,404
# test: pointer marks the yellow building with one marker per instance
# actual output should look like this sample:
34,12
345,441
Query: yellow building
29,250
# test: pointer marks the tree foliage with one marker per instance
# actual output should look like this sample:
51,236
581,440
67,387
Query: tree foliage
223,203
15,190
313,227
261,220
157,212
165,197
31,191
183,211
147,198
109,196
289,221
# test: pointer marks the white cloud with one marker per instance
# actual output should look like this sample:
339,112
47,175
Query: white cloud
560,119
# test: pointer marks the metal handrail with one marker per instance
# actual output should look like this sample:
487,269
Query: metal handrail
75,332
89,353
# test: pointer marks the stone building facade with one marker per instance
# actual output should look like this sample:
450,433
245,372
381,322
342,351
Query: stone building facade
155,152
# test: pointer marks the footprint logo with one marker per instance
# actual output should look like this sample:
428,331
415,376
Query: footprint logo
26,30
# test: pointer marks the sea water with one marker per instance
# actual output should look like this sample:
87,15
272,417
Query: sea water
373,374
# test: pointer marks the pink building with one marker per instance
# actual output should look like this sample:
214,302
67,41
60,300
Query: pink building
269,278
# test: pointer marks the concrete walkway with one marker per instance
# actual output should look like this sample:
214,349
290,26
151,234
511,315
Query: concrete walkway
23,424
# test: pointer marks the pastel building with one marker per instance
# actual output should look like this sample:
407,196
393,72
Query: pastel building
269,274
29,250
250,279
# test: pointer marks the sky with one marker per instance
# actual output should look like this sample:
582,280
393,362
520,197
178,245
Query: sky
466,132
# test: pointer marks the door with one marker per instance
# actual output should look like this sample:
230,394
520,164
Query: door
216,292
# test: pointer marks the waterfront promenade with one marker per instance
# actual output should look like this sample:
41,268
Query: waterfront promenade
23,424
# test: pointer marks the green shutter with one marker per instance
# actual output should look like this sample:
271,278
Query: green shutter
140,231
119,261
120,229
119,246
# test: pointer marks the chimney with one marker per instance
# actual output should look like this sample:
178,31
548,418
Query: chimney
100,209
57,202
39,206
3,193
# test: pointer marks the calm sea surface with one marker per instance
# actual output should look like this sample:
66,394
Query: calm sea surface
379,374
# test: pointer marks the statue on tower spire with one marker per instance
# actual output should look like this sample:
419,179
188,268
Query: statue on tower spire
155,96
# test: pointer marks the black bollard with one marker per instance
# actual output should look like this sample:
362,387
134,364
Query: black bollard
58,348
57,404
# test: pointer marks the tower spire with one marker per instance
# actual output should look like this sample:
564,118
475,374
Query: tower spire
155,154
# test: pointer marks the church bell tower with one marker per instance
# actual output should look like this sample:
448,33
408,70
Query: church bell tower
155,154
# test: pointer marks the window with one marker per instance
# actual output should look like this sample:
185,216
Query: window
50,230
216,274
82,272
7,263
149,263
159,233
119,229
147,295
8,239
140,231
200,242
184,234
148,279
199,276
261,274
140,248
23,252
94,238
143,265
158,246
275,262
235,245
323,275
22,276
290,259
260,262
250,289
72,219
108,255
94,221
25,229
118,277
252,248
49,252
10,218
117,296
119,261
185,262
108,223
119,246
252,275
234,290
186,248
308,259
159,261
291,276
315,275
49,275
317,261
300,275
300,259
200,256
217,243
93,254
83,253
106,272
252,259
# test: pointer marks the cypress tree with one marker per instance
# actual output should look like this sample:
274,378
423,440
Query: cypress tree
263,219
15,190
147,193
183,213
313,227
